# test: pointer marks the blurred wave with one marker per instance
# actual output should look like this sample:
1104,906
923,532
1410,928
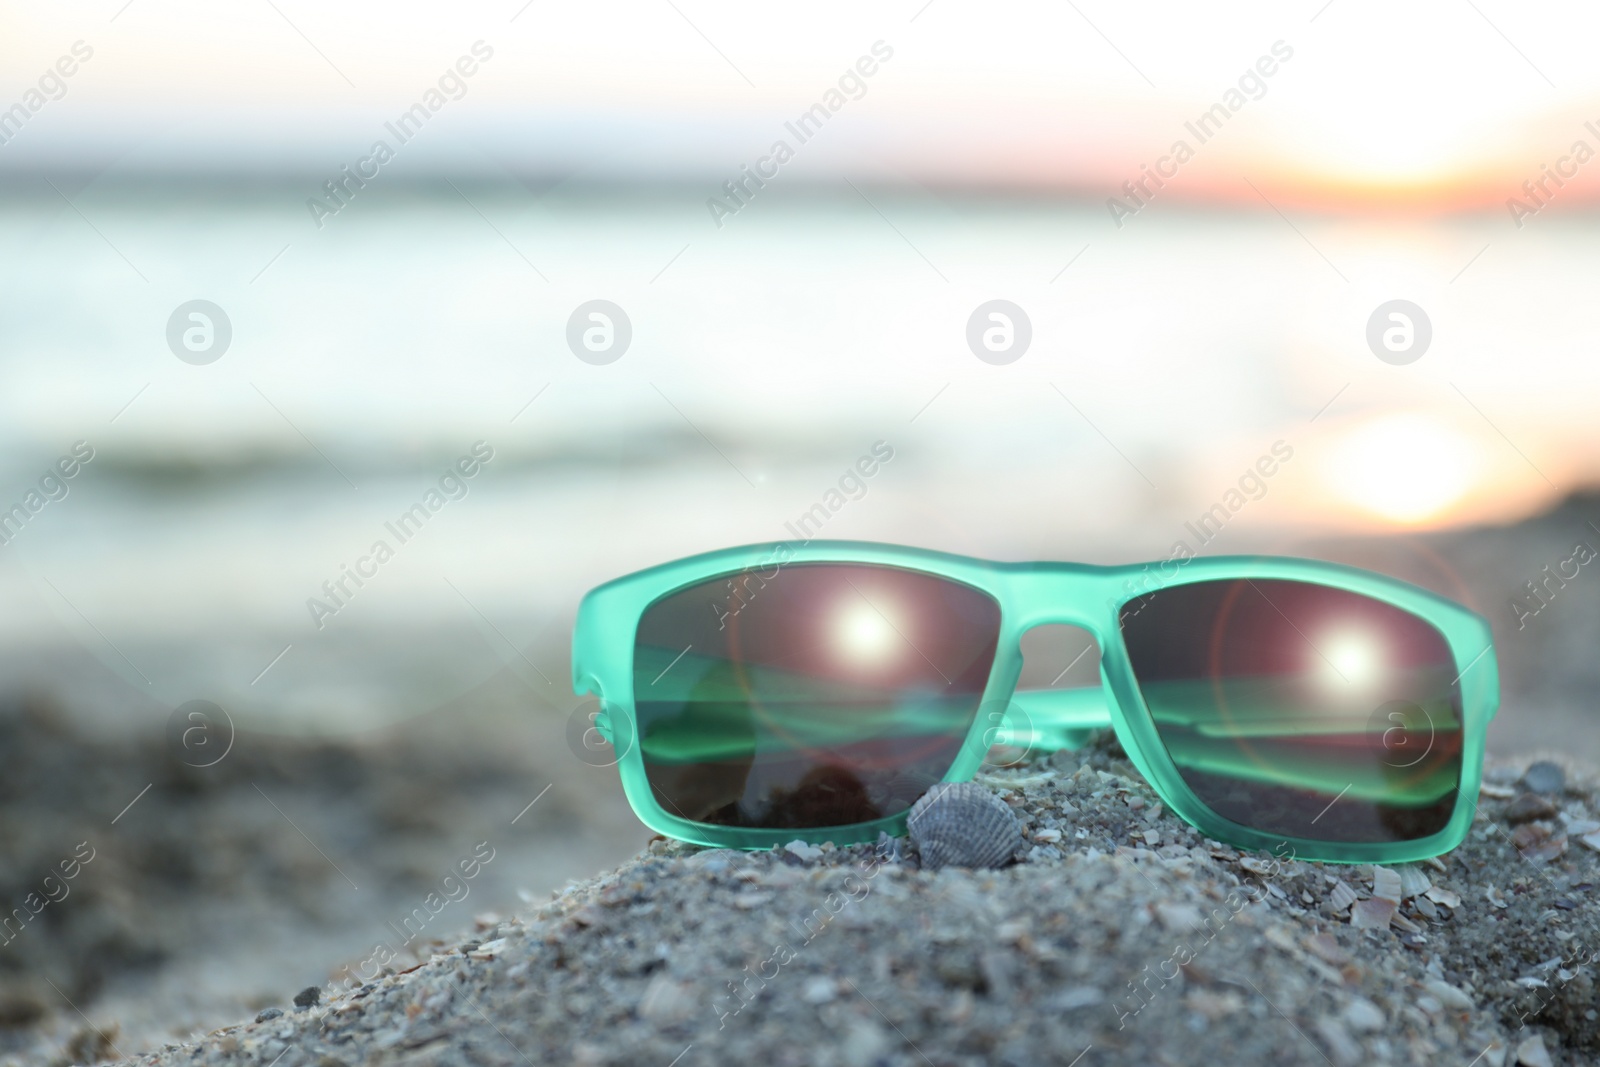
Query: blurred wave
368,355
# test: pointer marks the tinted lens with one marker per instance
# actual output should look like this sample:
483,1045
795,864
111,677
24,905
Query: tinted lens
808,695
1301,710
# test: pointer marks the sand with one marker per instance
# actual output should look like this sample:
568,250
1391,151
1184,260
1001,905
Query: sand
1120,937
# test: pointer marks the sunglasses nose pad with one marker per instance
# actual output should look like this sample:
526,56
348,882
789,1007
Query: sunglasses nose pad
1056,656
1058,699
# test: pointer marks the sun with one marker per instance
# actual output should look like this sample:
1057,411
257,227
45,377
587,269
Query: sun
1407,468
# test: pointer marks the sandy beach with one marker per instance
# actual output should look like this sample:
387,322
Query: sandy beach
373,868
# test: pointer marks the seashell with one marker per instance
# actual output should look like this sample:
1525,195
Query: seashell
1386,884
1342,897
1441,895
1413,883
1372,913
961,824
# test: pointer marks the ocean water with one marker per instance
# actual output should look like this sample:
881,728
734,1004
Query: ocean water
427,324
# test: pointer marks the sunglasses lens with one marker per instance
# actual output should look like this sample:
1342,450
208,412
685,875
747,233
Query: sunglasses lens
1302,710
808,695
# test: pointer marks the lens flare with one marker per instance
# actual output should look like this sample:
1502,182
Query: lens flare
864,634
1352,659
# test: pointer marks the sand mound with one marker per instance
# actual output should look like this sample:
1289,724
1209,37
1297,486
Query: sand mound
1121,936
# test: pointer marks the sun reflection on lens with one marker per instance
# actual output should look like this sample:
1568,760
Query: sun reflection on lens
863,634
1351,659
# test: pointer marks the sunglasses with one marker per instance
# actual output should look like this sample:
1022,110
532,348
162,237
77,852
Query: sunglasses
814,691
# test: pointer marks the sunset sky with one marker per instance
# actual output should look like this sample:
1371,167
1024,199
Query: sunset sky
1429,106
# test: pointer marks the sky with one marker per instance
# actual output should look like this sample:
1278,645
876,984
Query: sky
1435,106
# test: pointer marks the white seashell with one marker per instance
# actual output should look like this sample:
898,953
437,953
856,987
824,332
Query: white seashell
1342,896
1386,884
1374,913
1413,883
961,824
1440,895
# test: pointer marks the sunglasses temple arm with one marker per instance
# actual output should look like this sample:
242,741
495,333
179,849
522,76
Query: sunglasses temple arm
1051,719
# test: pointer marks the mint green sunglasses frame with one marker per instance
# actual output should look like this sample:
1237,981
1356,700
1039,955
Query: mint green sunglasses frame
1029,595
